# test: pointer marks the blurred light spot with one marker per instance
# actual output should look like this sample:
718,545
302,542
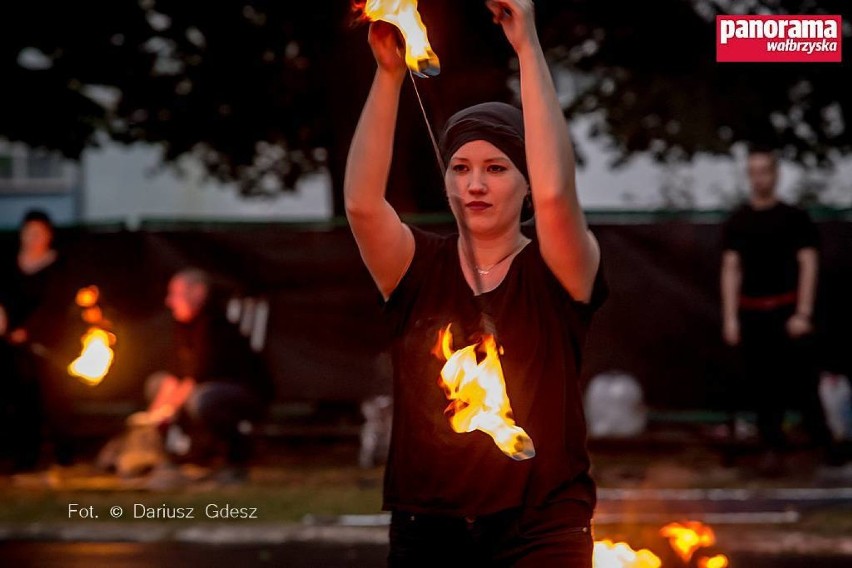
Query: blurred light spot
158,22
183,87
832,117
253,16
673,127
778,121
104,95
195,37
34,59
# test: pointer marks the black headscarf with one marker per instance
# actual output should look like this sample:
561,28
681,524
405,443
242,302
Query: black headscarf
500,124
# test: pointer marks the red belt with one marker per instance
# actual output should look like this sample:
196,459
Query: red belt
768,302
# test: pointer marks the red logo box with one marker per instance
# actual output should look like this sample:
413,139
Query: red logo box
779,39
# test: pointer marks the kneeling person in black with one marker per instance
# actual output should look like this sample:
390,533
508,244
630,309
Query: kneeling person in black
215,385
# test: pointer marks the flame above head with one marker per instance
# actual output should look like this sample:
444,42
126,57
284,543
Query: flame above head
477,390
686,538
96,357
609,554
403,14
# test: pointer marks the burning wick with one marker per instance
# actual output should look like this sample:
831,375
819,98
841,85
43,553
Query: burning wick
403,14
478,394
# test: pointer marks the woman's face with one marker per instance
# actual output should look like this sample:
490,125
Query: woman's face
485,188
36,237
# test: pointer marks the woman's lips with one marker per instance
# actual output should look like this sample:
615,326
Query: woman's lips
477,205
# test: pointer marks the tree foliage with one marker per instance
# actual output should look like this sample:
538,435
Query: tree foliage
653,83
265,91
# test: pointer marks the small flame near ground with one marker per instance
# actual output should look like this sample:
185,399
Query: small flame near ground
684,538
717,561
609,554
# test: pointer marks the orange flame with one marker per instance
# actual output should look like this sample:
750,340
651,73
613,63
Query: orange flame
718,561
478,394
686,538
608,554
404,15
96,357
87,297
92,315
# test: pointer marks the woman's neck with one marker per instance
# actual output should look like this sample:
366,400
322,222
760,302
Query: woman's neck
486,252
31,262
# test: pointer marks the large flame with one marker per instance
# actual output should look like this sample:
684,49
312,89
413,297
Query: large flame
686,538
96,357
478,394
608,554
404,15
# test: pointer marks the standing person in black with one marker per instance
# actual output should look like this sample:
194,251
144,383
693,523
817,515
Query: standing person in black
768,284
457,499
36,302
214,384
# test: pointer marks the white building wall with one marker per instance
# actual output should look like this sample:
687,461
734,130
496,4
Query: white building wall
128,183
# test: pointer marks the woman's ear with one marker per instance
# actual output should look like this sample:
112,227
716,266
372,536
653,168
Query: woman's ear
527,209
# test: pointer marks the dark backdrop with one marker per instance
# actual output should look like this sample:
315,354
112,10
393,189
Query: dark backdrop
661,322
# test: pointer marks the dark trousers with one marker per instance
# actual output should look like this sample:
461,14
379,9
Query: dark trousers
217,410
522,538
781,373
39,411
213,415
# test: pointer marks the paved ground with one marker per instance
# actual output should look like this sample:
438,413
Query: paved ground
292,555
801,517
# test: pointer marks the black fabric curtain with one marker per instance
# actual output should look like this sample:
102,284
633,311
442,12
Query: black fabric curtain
325,331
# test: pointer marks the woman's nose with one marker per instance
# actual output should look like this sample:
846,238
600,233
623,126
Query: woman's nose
476,184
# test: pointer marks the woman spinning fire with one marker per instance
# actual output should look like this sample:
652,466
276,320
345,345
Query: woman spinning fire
462,489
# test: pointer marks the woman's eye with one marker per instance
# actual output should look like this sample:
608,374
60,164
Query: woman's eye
497,168
459,168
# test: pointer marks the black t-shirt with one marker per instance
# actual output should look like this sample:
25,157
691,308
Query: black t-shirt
41,302
767,241
210,348
541,329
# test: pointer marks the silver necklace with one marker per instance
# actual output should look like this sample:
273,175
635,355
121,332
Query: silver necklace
486,271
